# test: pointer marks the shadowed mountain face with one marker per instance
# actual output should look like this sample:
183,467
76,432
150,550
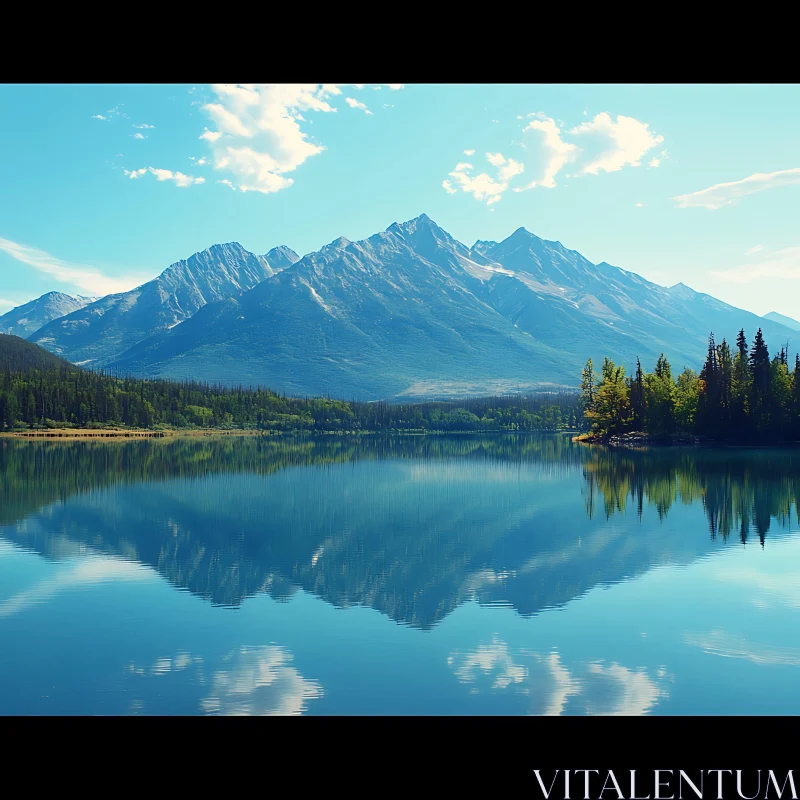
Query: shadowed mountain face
25,320
412,312
410,526
99,332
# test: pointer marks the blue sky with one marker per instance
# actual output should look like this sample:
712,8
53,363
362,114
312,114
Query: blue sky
104,186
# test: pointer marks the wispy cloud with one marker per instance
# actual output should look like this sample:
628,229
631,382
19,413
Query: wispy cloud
356,104
469,152
91,571
783,264
723,194
721,643
138,136
100,117
84,277
6,304
144,126
755,249
179,178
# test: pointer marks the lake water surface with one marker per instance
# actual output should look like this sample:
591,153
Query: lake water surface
507,574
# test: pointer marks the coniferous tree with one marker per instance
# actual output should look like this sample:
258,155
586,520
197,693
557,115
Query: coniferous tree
708,406
612,409
660,399
588,386
760,390
794,407
637,397
740,388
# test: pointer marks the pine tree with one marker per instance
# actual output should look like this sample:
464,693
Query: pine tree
760,390
637,396
740,388
660,399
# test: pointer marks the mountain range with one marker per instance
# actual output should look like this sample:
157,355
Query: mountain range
408,312
25,320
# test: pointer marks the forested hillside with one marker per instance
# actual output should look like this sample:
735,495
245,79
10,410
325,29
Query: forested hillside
38,389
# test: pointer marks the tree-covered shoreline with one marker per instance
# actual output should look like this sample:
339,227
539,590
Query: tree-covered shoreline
740,396
39,391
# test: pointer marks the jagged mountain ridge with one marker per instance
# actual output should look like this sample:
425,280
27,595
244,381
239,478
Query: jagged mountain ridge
412,312
101,331
25,320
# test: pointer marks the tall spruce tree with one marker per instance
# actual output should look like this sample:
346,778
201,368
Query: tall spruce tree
638,406
760,390
740,388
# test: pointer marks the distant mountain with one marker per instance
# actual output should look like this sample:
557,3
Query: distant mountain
99,332
774,316
19,355
25,320
412,312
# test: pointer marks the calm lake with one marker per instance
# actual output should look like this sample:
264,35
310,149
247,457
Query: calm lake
506,574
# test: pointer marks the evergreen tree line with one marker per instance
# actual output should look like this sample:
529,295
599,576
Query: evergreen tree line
741,394
65,396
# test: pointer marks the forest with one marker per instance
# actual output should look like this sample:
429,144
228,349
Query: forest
741,395
39,390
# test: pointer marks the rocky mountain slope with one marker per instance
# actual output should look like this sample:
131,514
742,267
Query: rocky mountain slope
99,332
25,320
412,312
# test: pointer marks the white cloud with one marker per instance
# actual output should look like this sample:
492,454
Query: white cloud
198,161
469,152
86,278
355,104
100,116
210,136
8,303
755,249
144,126
257,135
720,643
88,571
654,163
138,135
227,183
639,205
395,86
546,686
258,138
783,264
179,178
484,187
621,143
722,194
260,681
554,153
510,169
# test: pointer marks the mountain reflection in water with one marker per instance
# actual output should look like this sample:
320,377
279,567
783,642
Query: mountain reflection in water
411,526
